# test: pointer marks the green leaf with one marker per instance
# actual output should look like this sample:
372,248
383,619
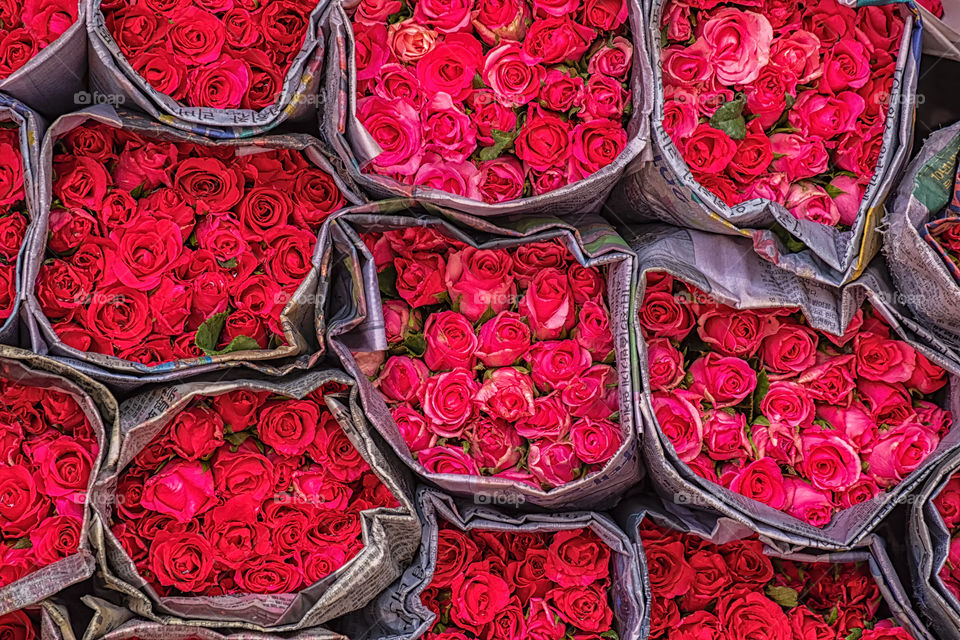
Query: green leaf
208,336
834,615
501,140
415,344
387,280
855,634
139,191
236,439
23,543
763,387
783,596
229,264
729,118
240,343
611,634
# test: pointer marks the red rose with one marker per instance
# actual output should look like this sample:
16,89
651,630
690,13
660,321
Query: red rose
544,141
420,279
553,40
211,182
455,552
670,574
24,506
708,150
271,574
585,608
753,617
55,538
182,560
577,558
477,596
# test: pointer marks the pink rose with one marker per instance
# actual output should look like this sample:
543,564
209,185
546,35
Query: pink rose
561,91
420,278
723,381
401,379
848,199
900,452
927,377
544,141
451,341
447,130
413,427
181,489
513,81
479,280
458,178
789,350
767,97
762,481
371,50
830,462
506,394
831,381
555,363
739,44
586,283
552,463
708,150
605,15
376,11
595,144
788,403
613,60
725,435
686,67
853,423
846,65
809,201
555,40
489,115
501,180
680,119
664,315
448,401
753,156
550,419
399,321
447,459
947,502
446,16
884,360
397,82
863,490
593,394
494,20
595,441
450,66
797,54
395,125
730,331
410,41
548,305
665,364
797,156
680,422
604,97
593,330
503,340
494,444
818,115
806,503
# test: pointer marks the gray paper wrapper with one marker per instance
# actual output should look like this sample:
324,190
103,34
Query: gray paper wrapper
399,614
929,545
55,79
354,145
727,270
114,81
665,189
350,298
297,320
929,289
390,536
719,530
100,409
30,126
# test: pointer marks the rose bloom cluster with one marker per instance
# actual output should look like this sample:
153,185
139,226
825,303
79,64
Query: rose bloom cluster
947,503
246,492
800,420
493,99
13,216
162,250
17,625
780,100
500,360
703,590
222,54
27,26
495,584
47,451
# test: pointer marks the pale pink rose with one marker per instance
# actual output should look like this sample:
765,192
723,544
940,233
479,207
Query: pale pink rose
830,462
797,54
552,463
447,459
413,427
779,442
395,125
725,435
410,41
458,178
807,503
595,441
613,60
798,157
447,130
848,199
550,420
401,379
680,422
900,452
739,44
809,201
494,444
506,394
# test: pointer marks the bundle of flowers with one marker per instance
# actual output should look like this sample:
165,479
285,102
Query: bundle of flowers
246,492
160,248
735,590
806,422
222,54
501,361
28,27
781,100
14,216
493,101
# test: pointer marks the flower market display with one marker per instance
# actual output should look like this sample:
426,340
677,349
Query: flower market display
803,421
501,361
734,590
491,100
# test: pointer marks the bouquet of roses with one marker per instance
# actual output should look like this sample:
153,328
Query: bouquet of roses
803,421
781,101
30,26
51,437
160,248
734,590
14,216
491,101
501,361
219,55
250,489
